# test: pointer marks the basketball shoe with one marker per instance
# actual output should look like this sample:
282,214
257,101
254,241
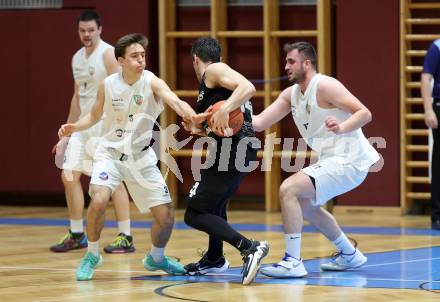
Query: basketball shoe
205,266
252,260
289,267
122,244
70,241
342,262
87,267
167,265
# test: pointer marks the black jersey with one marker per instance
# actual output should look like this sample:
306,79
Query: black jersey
210,96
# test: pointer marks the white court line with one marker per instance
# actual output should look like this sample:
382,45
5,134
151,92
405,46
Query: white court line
344,278
235,275
399,262
374,279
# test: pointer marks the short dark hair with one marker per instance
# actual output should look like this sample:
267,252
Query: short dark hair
207,49
127,40
89,15
304,48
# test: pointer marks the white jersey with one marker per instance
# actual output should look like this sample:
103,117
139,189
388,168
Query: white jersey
88,72
130,113
309,118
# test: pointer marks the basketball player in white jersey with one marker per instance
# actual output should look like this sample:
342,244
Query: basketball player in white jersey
90,65
132,101
329,118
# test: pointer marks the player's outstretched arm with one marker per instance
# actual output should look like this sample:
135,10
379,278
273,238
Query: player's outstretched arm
162,91
274,113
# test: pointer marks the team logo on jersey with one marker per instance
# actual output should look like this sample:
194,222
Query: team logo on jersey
138,99
91,70
165,190
103,176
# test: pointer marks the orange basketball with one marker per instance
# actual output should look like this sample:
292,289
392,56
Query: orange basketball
236,119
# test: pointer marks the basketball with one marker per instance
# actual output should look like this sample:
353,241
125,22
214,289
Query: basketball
236,119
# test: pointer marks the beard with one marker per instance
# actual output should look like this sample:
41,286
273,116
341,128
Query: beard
299,78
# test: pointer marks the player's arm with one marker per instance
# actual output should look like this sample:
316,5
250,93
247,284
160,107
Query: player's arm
274,113
110,62
220,74
90,119
74,113
331,92
74,110
162,91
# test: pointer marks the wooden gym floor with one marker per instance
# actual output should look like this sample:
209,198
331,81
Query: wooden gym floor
404,261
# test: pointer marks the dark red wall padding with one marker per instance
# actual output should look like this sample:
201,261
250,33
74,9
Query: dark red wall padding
14,118
37,83
367,56
49,88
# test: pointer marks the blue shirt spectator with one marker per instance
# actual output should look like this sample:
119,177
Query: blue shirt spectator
431,104
432,66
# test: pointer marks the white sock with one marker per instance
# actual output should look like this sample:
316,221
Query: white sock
157,253
124,227
344,245
93,247
293,245
76,226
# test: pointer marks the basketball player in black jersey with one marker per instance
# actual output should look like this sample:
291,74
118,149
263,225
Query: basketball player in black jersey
207,200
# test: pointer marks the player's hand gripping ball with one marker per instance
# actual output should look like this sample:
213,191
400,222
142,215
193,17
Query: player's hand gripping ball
236,119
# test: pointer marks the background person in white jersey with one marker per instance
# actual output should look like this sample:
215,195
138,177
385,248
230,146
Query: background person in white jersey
329,118
90,65
131,101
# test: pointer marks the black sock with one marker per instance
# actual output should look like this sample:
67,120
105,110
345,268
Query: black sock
215,249
241,243
217,227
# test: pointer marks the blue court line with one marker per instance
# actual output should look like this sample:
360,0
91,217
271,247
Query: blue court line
407,269
238,226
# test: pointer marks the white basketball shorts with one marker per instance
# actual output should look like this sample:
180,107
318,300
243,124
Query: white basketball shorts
81,149
333,178
144,181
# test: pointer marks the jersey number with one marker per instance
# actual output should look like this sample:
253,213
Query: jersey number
193,190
